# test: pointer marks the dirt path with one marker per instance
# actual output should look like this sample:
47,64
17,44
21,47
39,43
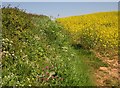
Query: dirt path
108,76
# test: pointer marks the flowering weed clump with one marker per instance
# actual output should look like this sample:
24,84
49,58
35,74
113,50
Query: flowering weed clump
25,48
49,77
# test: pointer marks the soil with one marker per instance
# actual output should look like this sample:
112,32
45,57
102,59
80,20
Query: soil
108,76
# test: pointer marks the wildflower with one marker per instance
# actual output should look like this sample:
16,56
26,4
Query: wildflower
29,85
53,77
52,66
47,73
3,39
46,79
28,79
47,67
13,54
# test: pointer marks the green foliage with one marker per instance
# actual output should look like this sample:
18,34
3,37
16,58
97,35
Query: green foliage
20,49
37,52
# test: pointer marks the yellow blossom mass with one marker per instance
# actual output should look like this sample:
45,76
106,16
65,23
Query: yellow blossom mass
98,31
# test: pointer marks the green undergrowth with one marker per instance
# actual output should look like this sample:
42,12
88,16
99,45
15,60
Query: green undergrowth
38,52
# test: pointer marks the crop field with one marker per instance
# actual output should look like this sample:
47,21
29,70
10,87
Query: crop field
98,31
37,51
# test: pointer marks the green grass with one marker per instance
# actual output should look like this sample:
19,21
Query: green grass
37,48
70,65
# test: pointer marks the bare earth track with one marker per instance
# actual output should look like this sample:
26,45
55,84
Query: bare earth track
107,76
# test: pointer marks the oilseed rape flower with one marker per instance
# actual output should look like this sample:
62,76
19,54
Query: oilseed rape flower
98,31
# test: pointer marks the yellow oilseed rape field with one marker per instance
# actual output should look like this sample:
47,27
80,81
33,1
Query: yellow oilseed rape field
98,31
